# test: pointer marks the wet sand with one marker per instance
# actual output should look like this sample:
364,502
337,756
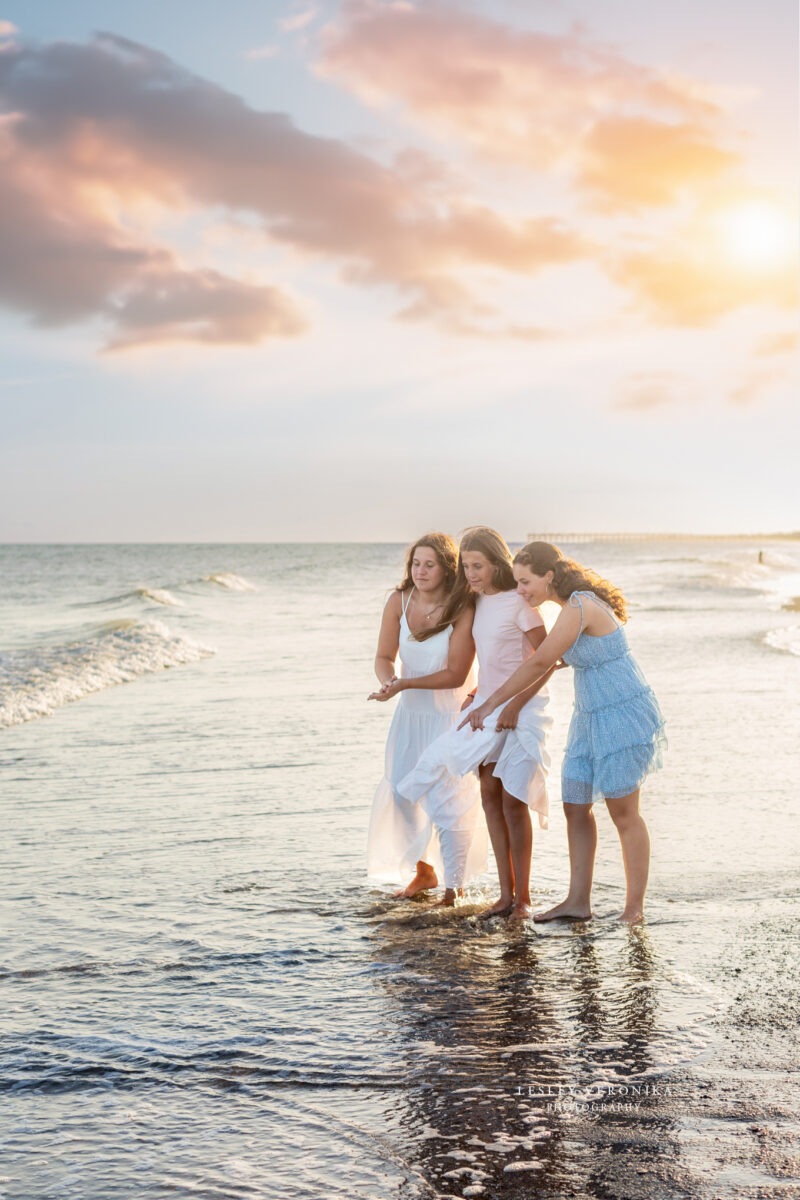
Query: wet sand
511,1097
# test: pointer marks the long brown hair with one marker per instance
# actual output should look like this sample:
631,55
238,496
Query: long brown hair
569,576
490,544
446,552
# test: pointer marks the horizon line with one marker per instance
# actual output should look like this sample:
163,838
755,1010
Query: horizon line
778,535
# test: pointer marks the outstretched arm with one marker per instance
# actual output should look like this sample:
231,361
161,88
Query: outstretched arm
459,661
507,719
388,639
532,673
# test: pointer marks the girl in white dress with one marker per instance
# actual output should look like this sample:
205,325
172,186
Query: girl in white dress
510,753
436,652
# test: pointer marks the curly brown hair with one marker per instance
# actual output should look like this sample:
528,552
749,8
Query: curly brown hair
569,576
446,552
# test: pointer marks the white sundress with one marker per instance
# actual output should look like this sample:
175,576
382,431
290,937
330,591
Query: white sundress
520,755
403,831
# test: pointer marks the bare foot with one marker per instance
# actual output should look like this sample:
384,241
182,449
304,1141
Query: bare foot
500,908
449,898
566,910
633,916
521,912
424,879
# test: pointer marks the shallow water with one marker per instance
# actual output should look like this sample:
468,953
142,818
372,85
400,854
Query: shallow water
202,995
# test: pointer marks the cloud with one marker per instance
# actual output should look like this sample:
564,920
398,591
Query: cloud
7,29
530,98
202,306
787,342
633,162
679,282
297,20
96,131
643,391
631,139
752,387
459,315
61,262
260,52
737,248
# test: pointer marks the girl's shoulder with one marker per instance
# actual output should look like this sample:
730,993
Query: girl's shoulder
527,617
397,602
578,598
595,615
464,619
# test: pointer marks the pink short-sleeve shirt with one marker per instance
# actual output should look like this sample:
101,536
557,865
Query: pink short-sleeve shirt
499,628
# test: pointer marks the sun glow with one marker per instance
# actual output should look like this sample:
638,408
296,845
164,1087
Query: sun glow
758,235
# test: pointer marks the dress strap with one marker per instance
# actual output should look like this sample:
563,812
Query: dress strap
607,607
406,601
597,600
576,602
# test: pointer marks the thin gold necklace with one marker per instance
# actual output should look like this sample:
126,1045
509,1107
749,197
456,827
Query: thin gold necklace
428,615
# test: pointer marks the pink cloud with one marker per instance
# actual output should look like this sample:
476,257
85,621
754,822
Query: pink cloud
100,127
201,306
260,52
531,98
61,262
632,162
646,390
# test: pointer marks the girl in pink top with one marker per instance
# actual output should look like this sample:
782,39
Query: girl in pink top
509,753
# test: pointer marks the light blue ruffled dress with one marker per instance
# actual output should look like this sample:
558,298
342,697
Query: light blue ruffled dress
616,736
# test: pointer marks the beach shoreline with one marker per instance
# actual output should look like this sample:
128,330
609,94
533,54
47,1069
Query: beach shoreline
207,996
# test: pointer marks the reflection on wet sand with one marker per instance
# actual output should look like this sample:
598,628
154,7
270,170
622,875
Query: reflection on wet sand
531,1057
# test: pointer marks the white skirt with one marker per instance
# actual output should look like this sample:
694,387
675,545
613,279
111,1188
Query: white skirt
403,831
520,757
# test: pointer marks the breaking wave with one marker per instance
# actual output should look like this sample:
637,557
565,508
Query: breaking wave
786,640
749,569
36,681
166,595
159,596
226,579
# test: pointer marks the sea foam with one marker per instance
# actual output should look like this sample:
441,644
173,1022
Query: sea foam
158,596
787,639
226,579
35,682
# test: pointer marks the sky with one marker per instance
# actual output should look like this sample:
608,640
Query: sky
356,270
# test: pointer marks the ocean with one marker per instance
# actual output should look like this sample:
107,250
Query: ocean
202,994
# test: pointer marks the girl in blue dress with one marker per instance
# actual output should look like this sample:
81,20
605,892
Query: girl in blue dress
616,736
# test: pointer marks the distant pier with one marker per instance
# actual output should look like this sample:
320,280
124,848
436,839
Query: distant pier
662,537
